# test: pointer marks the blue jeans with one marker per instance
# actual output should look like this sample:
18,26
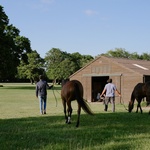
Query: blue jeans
42,104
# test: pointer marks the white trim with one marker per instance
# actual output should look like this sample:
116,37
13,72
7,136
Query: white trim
139,66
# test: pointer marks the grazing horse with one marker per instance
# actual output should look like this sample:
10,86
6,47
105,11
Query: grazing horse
147,90
140,91
73,90
138,94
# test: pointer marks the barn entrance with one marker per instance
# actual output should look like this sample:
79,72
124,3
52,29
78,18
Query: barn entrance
146,78
98,84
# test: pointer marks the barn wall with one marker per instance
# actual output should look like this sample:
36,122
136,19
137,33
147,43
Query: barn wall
124,78
128,83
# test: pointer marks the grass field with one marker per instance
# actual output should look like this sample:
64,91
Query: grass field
22,127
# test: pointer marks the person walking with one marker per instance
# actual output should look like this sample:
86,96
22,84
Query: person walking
41,93
109,91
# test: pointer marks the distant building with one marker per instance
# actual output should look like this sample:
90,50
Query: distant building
125,73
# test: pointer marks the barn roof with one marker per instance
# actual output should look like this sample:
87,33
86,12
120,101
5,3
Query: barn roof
138,66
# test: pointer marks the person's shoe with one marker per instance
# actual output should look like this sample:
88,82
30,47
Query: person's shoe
105,108
44,112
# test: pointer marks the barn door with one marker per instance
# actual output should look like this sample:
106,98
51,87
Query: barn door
146,79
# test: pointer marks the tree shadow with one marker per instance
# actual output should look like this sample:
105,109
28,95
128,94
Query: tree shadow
51,132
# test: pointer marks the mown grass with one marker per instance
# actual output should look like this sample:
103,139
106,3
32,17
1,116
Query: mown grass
22,127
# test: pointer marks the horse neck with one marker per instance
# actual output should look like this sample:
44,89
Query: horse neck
64,82
132,97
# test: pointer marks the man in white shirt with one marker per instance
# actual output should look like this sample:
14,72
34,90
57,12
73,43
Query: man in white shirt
109,91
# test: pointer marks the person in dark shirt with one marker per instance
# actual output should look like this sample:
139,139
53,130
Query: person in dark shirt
41,93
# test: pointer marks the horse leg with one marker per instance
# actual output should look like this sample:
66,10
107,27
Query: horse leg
64,104
78,119
139,106
141,109
69,113
137,109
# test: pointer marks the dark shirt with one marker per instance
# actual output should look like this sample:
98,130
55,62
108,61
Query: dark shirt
41,88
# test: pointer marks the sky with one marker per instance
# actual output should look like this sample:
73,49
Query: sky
90,27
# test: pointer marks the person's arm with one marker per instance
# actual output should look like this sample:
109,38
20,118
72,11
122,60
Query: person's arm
103,92
47,85
36,91
118,92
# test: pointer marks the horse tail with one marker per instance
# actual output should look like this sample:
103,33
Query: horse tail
82,102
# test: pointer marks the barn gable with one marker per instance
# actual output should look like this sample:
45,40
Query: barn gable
125,73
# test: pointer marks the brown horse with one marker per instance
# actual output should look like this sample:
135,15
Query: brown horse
140,91
73,90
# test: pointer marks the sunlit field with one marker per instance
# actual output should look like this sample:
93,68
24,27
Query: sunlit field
23,127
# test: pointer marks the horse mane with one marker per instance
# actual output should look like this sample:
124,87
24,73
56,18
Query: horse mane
132,96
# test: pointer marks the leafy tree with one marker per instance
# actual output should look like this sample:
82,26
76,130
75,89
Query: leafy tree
32,68
145,56
118,52
53,59
86,59
3,20
60,65
13,47
134,56
122,53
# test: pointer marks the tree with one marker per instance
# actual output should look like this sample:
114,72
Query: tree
145,56
3,20
53,59
118,52
60,65
134,56
33,68
122,53
13,47
86,59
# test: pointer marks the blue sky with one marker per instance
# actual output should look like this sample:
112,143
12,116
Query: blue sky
90,27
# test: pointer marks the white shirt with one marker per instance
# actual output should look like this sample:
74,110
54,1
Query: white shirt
110,89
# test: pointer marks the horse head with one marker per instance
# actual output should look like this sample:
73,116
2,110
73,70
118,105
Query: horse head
130,106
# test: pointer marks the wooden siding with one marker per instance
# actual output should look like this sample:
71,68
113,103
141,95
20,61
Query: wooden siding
123,77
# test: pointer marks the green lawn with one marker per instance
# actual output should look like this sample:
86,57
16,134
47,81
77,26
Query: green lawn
23,127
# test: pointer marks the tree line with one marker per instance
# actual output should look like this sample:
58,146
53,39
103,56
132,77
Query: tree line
19,62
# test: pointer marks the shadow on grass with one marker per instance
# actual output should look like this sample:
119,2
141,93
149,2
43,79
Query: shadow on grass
94,132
